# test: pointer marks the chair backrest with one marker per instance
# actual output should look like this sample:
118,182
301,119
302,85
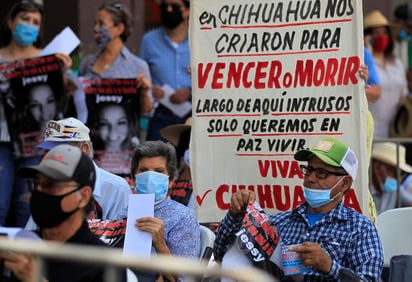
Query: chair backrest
207,239
395,229
401,268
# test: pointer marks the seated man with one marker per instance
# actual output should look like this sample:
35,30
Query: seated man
174,227
384,184
64,182
111,192
331,238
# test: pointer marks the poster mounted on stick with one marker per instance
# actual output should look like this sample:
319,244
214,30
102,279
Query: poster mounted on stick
33,94
113,119
270,78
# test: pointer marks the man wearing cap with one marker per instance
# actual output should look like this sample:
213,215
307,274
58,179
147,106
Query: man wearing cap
111,192
64,182
330,238
384,183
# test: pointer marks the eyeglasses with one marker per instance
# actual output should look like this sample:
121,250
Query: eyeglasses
175,6
50,185
319,172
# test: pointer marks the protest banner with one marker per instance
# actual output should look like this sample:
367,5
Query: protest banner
270,78
113,119
33,94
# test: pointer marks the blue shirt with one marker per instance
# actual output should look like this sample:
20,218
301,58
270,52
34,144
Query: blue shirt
349,238
168,61
373,78
181,230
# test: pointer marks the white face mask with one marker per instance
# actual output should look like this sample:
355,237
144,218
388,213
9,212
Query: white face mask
320,197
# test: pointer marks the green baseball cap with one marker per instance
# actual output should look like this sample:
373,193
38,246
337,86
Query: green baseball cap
332,152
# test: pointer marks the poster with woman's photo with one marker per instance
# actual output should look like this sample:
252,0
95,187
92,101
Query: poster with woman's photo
33,94
113,119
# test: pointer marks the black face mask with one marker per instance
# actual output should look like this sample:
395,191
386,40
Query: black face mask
171,19
46,209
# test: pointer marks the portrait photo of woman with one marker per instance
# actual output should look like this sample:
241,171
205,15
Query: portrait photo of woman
114,133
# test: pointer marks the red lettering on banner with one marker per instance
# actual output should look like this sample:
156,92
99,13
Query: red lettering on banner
219,197
264,194
277,196
234,74
268,74
286,169
202,76
218,75
351,200
298,197
282,203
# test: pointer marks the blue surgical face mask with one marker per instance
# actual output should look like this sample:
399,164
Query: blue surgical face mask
102,37
151,182
319,197
390,185
25,34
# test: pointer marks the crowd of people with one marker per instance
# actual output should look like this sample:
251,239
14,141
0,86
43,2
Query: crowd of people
55,190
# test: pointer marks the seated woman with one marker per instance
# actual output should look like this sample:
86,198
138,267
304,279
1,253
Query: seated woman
174,227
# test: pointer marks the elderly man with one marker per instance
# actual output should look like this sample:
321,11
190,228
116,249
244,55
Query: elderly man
384,184
174,227
330,237
64,182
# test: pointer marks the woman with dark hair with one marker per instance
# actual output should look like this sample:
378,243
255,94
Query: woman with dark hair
20,38
379,40
114,130
112,27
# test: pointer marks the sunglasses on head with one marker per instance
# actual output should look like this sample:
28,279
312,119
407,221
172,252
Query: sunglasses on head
32,4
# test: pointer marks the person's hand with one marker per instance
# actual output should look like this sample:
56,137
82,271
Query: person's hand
22,266
157,92
156,227
239,201
144,84
364,72
67,61
181,95
313,255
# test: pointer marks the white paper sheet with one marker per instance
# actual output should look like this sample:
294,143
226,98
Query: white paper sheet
138,242
180,110
64,42
16,233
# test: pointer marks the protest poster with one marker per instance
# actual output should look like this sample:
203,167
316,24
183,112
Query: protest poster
113,119
270,78
33,94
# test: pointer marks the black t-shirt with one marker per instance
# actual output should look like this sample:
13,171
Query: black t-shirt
61,271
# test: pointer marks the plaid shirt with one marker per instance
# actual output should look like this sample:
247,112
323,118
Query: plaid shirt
349,238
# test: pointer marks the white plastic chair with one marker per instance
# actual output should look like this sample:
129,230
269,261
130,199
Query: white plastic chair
395,229
207,239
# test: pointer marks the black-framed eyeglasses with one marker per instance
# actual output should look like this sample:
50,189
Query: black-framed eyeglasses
175,6
320,173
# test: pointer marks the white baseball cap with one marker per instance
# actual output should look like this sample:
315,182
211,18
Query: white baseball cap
64,131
